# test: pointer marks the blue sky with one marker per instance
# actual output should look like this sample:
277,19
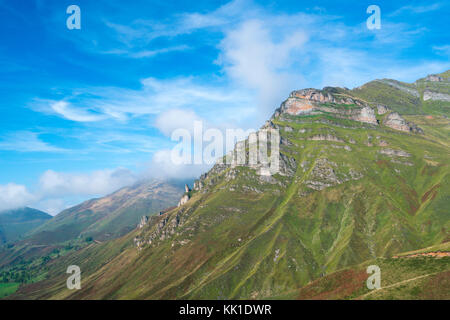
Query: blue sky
84,112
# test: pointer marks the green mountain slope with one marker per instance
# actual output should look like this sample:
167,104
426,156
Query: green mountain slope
429,95
14,224
422,274
358,182
108,217
94,220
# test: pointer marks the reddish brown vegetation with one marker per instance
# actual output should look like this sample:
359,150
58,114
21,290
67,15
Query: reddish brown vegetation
336,286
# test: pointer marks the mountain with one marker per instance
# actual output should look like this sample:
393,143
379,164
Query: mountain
364,176
95,220
111,216
14,224
429,95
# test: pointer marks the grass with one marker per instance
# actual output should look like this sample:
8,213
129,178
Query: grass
7,289
241,237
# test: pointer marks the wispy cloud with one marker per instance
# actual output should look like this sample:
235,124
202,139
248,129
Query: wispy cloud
442,50
154,96
417,9
146,53
26,141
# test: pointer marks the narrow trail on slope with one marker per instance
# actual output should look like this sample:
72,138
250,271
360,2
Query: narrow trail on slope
397,284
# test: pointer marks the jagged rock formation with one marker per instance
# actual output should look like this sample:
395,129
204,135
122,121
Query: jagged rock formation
323,175
163,228
313,101
382,109
143,222
395,121
366,115
434,78
183,200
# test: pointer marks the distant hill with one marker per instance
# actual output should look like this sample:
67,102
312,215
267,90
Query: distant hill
108,217
14,224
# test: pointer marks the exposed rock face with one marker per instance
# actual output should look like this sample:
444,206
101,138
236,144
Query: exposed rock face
392,152
321,96
183,200
323,175
198,185
401,87
296,106
381,109
143,222
325,137
163,228
395,121
308,100
435,96
366,115
288,165
313,101
434,78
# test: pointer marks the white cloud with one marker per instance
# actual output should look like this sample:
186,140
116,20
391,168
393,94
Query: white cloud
146,53
140,33
416,9
14,196
64,109
26,141
51,206
154,96
57,190
162,167
99,182
174,119
263,56
442,50
252,56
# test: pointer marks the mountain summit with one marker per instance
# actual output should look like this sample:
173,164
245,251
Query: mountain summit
363,176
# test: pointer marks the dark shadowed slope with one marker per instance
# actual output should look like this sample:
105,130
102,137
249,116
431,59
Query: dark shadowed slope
16,223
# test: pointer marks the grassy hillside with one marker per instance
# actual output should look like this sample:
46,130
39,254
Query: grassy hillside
15,224
93,221
403,277
352,190
407,98
108,217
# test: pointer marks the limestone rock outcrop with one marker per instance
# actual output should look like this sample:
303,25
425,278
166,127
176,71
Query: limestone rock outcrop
435,96
396,122
434,78
382,109
366,115
185,198
143,222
